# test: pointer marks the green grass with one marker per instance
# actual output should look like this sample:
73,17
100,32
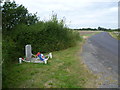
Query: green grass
64,70
114,35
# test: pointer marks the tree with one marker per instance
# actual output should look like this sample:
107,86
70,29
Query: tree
13,14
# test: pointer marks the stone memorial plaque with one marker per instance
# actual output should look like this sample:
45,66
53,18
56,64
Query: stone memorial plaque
28,52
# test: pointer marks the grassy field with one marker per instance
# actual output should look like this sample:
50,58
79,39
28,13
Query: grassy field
64,70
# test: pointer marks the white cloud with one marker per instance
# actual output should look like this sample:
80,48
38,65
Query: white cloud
113,9
81,13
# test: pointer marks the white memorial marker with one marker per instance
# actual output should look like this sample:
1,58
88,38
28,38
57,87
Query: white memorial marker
28,52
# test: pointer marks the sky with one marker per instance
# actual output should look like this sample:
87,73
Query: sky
77,13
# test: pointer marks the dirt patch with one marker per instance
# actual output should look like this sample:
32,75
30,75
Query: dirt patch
85,37
88,32
50,84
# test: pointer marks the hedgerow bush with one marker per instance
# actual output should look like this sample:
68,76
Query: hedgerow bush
44,37
21,28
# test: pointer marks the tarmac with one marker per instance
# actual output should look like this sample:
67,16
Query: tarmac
100,54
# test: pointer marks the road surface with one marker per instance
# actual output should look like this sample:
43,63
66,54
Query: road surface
100,54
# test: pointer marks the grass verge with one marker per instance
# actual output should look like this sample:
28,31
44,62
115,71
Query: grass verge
114,35
65,70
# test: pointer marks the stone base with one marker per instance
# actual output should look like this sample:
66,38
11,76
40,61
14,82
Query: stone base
35,60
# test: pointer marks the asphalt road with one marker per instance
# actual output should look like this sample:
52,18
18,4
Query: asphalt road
100,54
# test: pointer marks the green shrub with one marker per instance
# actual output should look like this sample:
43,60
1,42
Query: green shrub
47,36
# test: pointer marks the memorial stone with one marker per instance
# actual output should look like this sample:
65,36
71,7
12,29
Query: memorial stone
28,52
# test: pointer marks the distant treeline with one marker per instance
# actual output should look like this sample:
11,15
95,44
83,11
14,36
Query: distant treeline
97,29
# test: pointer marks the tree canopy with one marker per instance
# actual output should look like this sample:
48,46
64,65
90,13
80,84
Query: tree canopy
13,14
